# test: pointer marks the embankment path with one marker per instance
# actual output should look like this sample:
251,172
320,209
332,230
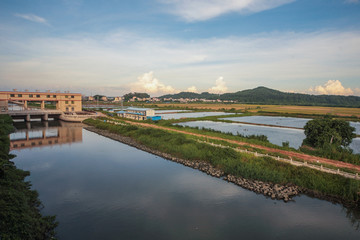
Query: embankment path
303,156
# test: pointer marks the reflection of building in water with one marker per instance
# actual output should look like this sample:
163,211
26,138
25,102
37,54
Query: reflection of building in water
29,135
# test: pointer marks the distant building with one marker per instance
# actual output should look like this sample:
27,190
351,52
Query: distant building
138,114
88,98
117,99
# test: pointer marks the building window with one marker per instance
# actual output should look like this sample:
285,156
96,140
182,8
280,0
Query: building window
12,95
48,96
54,96
72,102
67,109
66,96
72,96
66,102
19,95
72,109
37,96
30,95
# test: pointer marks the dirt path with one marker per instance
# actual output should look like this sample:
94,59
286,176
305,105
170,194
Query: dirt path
303,156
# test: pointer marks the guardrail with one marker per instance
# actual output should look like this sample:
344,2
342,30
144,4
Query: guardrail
291,161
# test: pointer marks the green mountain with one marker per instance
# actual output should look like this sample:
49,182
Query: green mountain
263,95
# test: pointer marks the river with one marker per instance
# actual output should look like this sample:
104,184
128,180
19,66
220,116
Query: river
102,189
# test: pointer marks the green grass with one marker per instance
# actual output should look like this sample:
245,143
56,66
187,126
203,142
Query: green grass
239,164
20,216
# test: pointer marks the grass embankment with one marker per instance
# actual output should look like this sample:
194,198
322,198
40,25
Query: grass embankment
20,216
238,164
342,155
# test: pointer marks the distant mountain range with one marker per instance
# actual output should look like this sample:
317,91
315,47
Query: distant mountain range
263,95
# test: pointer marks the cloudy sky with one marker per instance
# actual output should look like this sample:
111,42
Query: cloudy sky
165,46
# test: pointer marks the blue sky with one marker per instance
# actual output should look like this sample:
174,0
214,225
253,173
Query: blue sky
166,46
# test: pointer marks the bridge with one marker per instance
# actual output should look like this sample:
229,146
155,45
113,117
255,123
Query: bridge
27,115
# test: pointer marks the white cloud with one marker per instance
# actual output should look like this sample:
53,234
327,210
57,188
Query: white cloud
149,84
220,86
32,17
192,89
280,60
200,10
332,87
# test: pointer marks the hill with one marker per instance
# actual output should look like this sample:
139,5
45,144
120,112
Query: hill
263,95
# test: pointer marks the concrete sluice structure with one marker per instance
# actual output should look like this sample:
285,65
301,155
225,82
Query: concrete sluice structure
65,102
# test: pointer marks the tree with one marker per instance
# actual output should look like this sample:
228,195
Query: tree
328,132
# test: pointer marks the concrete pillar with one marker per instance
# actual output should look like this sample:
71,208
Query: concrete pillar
46,123
28,125
27,135
45,117
27,118
42,105
44,134
25,105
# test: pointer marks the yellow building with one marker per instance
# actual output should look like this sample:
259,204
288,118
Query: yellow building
66,102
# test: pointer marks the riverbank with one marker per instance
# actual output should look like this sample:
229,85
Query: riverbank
322,185
20,216
275,191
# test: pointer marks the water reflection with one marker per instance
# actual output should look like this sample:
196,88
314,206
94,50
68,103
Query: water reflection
103,189
39,134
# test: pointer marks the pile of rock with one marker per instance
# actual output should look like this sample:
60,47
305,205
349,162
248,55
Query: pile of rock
275,191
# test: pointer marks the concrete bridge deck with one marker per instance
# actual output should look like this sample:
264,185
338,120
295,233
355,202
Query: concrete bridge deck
27,115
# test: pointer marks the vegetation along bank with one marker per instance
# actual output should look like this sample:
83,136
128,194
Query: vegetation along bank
20,216
259,174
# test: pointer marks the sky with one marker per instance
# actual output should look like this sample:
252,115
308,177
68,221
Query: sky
115,47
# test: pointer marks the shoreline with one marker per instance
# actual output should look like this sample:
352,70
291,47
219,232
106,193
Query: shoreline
268,189
274,191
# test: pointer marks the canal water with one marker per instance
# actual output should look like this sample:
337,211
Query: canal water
102,189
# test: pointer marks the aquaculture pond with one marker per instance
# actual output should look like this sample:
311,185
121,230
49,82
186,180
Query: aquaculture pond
102,189
276,135
281,121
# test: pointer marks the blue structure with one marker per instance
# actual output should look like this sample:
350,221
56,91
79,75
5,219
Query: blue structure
154,118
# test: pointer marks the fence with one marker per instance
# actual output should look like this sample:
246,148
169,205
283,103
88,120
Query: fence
292,162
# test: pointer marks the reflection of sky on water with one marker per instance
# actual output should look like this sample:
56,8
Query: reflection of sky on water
275,135
192,115
355,145
277,121
282,121
102,189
